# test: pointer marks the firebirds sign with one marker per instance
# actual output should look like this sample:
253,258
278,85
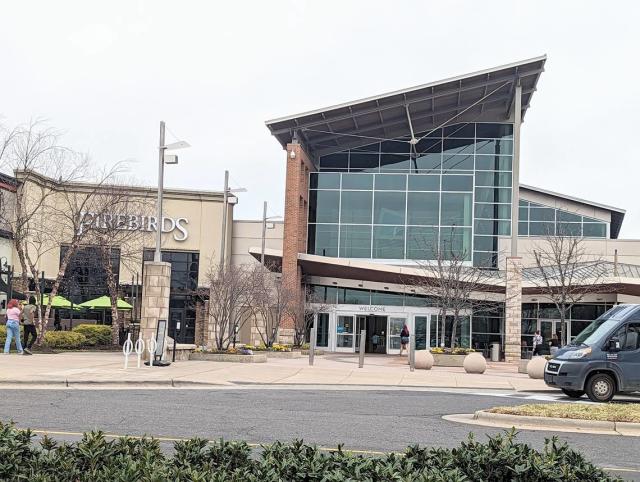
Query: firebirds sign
134,222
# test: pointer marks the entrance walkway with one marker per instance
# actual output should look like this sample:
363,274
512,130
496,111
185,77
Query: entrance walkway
106,370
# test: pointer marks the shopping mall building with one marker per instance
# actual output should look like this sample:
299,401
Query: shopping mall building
374,189
374,184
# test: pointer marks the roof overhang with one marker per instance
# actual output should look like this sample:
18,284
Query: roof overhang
485,95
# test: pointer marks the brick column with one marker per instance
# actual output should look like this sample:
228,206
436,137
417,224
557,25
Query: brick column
513,310
295,226
156,283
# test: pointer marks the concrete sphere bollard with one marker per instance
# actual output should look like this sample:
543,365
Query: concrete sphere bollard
424,359
535,367
474,362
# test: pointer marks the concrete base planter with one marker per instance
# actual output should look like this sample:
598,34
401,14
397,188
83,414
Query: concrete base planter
183,351
424,360
306,352
447,360
475,363
535,367
225,357
281,354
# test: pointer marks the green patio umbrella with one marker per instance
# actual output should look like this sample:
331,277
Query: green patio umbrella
104,303
59,302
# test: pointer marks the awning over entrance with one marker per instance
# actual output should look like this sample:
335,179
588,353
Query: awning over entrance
487,94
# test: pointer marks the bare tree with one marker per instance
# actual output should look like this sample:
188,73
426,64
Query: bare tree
230,293
564,272
271,300
455,285
118,231
303,310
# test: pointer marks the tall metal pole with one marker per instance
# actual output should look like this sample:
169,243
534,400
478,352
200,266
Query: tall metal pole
515,183
157,256
313,339
363,340
223,237
264,231
412,352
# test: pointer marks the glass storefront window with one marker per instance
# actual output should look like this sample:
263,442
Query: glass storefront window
388,242
386,298
352,296
395,162
421,182
322,332
335,161
324,180
428,162
421,242
423,208
356,207
364,162
457,183
493,178
344,331
455,209
323,239
457,162
389,207
539,220
355,241
357,181
391,182
493,131
324,206
594,230
494,146
455,242
493,163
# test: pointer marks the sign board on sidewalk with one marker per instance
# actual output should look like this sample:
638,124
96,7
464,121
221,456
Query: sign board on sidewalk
161,333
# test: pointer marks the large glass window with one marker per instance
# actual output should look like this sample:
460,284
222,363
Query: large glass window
356,207
388,242
384,199
355,241
389,207
539,220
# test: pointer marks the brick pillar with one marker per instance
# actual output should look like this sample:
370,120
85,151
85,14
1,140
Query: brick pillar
295,227
156,282
513,310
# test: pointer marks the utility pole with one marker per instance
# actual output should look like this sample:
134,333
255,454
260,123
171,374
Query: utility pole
223,237
157,257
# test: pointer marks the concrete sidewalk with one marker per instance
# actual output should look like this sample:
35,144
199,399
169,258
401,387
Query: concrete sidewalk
91,369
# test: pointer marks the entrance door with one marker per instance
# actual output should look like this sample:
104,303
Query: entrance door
549,328
344,333
395,328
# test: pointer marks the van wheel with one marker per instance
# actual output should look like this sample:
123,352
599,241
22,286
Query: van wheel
573,393
601,387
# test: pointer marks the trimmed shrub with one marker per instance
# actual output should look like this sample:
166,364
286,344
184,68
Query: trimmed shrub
64,339
96,335
97,459
3,334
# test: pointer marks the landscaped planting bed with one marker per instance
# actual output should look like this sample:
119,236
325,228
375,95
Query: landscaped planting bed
98,459
607,412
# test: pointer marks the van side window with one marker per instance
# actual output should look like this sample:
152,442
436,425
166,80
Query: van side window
632,339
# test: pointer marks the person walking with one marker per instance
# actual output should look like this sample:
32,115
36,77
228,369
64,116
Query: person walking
404,338
29,323
537,343
13,326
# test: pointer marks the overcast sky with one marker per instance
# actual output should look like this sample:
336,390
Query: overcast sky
107,73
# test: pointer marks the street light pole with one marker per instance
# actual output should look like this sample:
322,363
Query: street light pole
223,237
264,232
157,257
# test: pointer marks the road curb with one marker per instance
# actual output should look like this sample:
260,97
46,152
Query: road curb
623,428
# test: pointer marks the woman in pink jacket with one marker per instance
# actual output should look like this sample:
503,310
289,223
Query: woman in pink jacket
13,326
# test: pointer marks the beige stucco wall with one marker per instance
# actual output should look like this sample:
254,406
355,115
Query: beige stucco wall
248,234
202,211
628,249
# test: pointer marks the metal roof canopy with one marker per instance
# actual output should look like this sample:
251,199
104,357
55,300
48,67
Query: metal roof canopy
485,95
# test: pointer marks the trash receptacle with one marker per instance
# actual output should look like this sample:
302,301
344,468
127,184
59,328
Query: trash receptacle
495,351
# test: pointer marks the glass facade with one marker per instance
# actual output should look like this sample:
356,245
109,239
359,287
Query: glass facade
538,220
381,201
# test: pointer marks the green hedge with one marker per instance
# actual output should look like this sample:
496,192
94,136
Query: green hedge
97,459
64,339
3,335
96,335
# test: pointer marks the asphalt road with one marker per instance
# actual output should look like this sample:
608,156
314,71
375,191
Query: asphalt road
364,420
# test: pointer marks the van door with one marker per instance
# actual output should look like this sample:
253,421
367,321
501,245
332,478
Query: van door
629,356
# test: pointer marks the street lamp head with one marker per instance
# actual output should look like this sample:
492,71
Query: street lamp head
174,146
170,159
237,189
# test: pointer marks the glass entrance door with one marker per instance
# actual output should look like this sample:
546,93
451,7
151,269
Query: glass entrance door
551,331
344,333
395,328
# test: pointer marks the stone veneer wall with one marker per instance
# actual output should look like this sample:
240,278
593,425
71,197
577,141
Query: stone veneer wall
156,283
513,310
